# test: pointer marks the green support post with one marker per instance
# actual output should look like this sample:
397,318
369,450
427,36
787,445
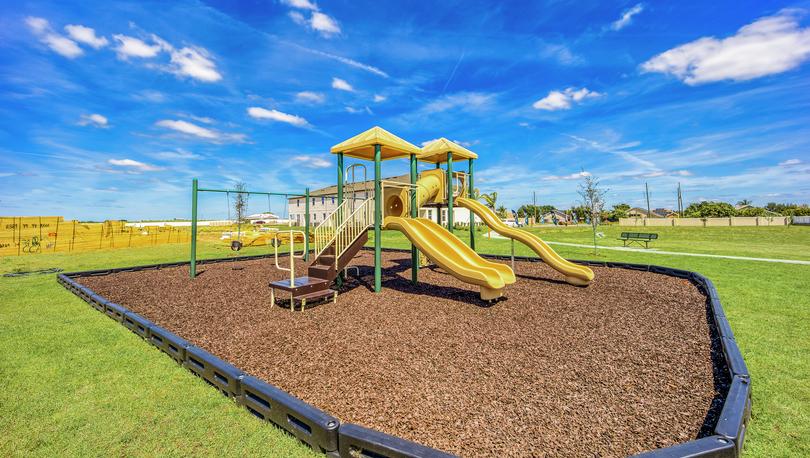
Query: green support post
414,214
471,196
339,279
377,222
306,227
193,263
340,179
450,191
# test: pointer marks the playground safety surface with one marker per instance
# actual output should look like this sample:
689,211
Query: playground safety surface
622,366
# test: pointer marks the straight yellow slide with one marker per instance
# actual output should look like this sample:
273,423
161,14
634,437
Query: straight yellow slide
452,255
575,274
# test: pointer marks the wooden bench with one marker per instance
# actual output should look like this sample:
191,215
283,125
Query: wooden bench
638,237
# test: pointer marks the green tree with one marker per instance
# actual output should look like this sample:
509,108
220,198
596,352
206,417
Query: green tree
546,209
752,211
593,199
490,200
619,211
710,209
501,212
743,203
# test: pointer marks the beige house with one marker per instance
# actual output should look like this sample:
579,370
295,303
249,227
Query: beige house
324,201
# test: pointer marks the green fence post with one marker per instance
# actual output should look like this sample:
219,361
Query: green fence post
377,222
193,262
471,197
450,191
414,214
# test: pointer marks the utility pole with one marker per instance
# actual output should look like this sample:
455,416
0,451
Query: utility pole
647,192
680,201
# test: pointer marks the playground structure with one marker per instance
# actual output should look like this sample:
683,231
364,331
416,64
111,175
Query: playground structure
394,206
388,341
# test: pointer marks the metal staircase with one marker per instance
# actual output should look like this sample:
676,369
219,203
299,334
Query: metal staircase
337,240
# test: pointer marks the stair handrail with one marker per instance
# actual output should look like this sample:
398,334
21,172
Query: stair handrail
353,227
293,256
326,231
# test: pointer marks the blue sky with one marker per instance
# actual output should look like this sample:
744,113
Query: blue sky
108,109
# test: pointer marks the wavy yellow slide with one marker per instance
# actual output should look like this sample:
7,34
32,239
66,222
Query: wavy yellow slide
452,255
575,274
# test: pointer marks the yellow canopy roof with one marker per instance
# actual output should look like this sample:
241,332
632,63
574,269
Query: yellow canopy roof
361,146
436,151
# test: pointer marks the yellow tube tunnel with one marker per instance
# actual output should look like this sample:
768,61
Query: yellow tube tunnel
430,186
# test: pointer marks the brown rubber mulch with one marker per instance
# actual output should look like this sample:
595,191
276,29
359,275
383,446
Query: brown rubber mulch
622,366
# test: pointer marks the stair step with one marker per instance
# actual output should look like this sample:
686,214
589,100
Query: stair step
321,271
326,259
309,298
301,285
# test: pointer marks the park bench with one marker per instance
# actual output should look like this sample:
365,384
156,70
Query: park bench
638,237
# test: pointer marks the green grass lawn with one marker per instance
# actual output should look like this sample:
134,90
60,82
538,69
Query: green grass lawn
76,384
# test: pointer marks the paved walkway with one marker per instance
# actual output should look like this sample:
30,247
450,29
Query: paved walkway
676,253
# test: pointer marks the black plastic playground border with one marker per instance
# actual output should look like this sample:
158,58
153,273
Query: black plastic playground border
326,434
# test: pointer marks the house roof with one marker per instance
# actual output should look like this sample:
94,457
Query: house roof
437,151
360,186
361,146
267,215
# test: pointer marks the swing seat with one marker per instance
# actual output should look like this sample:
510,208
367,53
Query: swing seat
236,245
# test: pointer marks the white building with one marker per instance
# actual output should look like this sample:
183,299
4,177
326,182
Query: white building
324,201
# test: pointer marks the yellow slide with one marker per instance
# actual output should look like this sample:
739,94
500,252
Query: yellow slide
452,255
575,274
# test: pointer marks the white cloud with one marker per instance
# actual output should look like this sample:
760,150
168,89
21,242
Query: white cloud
354,110
562,100
59,44
467,101
178,154
134,165
278,116
790,162
770,45
196,63
149,95
86,35
341,59
301,4
379,98
297,17
341,85
561,53
324,24
573,176
316,162
310,97
37,24
94,119
627,17
134,47
194,130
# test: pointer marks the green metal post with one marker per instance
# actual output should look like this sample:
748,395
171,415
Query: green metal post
450,191
471,196
377,222
306,227
438,206
414,214
339,279
193,263
340,179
